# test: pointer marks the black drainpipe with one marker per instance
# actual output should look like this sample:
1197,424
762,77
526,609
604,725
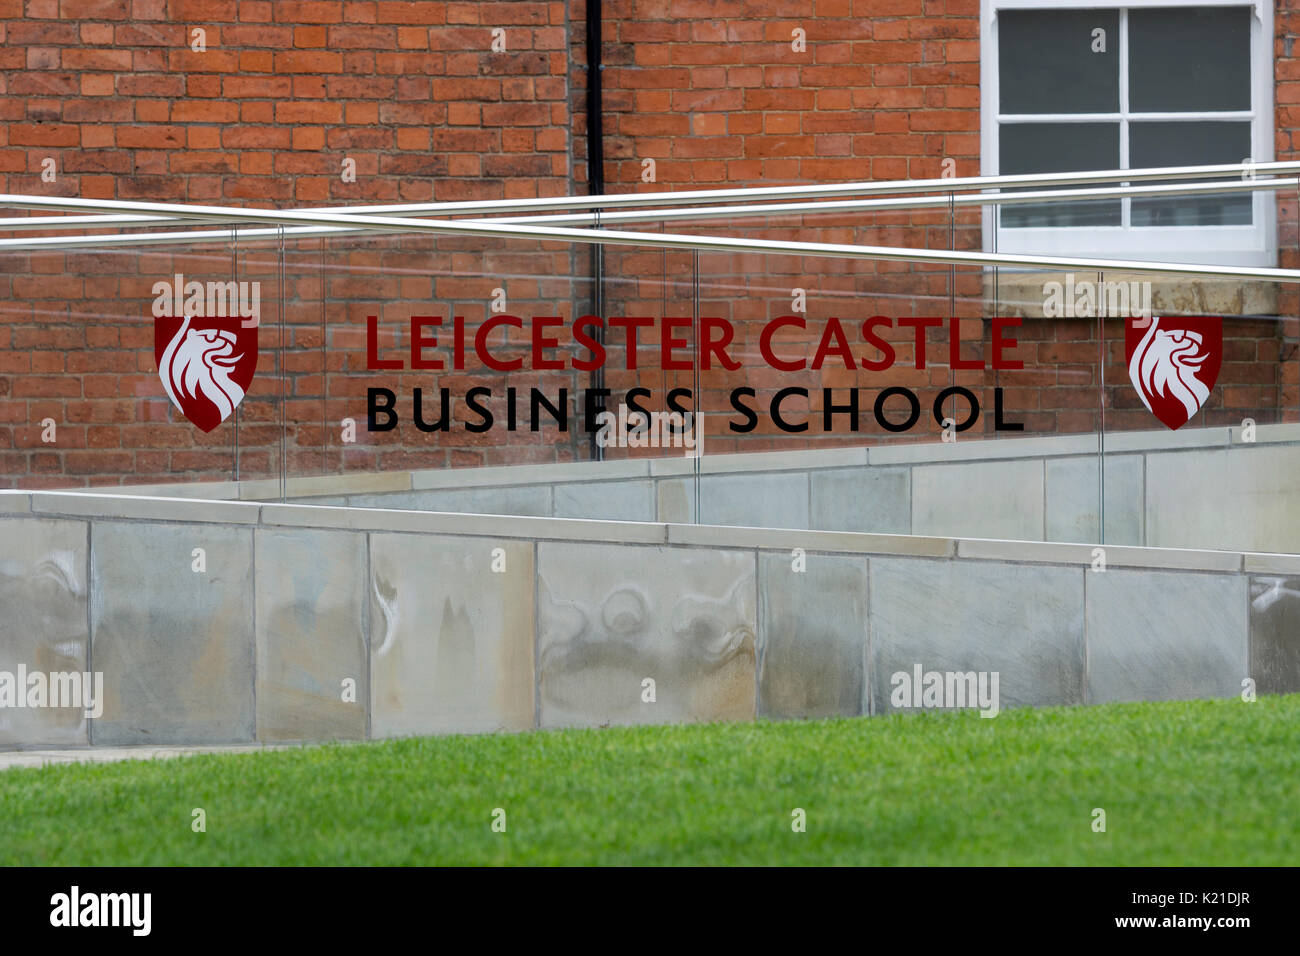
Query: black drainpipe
596,187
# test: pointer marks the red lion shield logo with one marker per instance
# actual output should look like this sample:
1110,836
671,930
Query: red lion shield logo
206,365
1174,363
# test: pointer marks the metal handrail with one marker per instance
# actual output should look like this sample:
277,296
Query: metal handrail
672,241
1164,190
771,193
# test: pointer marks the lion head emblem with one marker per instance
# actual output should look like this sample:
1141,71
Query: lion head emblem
1174,368
198,368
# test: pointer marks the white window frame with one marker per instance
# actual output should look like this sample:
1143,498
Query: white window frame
1253,245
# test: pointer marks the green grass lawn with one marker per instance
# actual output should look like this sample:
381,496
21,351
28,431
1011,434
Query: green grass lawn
1188,783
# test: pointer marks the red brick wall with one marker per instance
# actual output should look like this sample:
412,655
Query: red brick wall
710,89
285,91
714,92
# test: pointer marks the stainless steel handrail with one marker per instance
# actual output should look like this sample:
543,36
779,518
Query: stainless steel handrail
1166,190
672,241
36,223
770,193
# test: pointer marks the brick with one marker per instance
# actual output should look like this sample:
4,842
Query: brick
43,134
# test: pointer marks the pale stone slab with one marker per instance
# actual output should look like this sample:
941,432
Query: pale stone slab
549,473
1109,556
802,459
208,490
972,449
157,509
997,499
348,484
606,500
1275,633
1165,440
1243,499
451,639
321,501
812,635
529,500
15,502
675,466
1279,432
755,501
877,500
1159,636
1022,293
1269,563
532,500
175,644
43,629
788,539
1023,621
311,635
396,500
611,618
260,489
1073,508
743,462
675,499
1039,552
509,526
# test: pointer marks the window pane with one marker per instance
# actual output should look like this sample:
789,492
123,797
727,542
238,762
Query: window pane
1189,60
1059,148
1046,61
1189,144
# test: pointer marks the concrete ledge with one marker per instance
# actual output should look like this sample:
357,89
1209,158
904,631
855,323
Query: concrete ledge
783,539
112,507
799,460
675,465
1021,293
1272,563
15,502
205,490
343,484
1266,434
1167,440
157,509
505,526
527,474
977,450
1158,488
1085,554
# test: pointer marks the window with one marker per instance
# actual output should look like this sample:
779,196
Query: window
1125,86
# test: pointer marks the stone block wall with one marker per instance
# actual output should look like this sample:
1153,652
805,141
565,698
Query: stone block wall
238,621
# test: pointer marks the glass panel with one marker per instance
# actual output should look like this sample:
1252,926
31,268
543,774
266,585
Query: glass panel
525,395
1059,148
1047,63
1196,398
1189,59
81,400
77,351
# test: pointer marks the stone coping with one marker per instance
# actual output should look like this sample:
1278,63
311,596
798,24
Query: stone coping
90,506
805,459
